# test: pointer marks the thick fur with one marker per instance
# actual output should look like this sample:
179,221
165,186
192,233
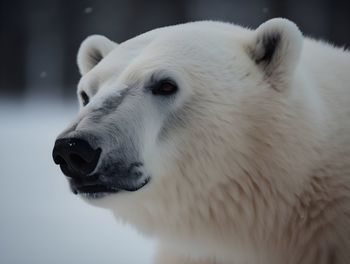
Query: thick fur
251,161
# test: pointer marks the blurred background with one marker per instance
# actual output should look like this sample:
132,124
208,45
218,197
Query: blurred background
40,220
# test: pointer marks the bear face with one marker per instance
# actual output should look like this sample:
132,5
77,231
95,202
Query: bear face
179,117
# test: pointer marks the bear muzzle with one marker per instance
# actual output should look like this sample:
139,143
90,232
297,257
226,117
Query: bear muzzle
92,175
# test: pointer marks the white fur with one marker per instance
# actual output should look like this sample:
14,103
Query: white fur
259,170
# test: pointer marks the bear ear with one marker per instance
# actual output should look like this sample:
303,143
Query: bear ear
92,50
276,47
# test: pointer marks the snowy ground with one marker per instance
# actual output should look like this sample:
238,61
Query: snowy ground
40,220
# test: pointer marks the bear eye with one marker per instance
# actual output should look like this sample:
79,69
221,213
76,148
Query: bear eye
164,88
84,98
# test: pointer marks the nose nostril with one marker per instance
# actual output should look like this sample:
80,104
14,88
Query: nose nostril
78,162
59,160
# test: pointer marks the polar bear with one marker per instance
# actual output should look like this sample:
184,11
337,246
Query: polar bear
229,145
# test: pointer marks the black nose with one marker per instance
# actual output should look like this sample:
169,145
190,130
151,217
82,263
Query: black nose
75,156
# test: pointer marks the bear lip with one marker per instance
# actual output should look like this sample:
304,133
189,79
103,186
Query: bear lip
97,189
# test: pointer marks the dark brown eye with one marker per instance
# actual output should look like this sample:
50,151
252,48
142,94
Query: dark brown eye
84,98
164,88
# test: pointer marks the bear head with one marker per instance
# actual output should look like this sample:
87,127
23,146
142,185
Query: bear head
187,124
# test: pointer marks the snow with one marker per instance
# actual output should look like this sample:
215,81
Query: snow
41,221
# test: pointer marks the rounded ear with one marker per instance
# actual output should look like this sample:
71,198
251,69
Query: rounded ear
276,47
92,50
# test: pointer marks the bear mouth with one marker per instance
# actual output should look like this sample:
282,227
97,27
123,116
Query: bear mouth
92,191
99,190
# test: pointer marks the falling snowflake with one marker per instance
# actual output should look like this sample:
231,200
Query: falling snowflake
43,74
265,10
88,10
